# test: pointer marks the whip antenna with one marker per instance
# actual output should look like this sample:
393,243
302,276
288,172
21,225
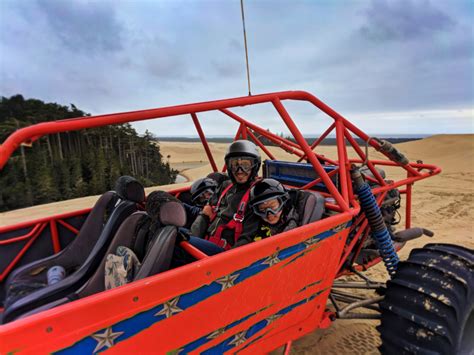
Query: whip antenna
245,43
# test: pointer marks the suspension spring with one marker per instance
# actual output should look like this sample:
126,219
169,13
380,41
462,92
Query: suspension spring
377,225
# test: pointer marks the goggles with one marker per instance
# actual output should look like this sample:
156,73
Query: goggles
239,163
263,208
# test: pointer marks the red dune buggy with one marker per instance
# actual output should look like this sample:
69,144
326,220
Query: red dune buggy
250,299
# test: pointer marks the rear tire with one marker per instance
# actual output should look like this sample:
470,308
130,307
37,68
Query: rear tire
428,306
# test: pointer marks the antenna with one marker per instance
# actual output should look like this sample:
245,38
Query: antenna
245,43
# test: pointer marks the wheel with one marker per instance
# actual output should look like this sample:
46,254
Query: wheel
428,306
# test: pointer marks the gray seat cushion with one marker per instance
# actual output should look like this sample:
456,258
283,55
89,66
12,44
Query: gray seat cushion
310,206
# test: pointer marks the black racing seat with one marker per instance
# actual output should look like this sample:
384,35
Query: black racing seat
126,236
28,278
170,215
80,258
151,236
309,204
153,242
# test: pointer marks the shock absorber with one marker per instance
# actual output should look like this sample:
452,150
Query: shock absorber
377,225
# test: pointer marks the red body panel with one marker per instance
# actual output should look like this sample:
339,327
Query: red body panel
258,296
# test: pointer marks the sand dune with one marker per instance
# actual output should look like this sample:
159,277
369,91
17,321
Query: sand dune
444,204
453,152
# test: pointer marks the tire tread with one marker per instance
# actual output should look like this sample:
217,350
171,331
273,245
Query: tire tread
440,276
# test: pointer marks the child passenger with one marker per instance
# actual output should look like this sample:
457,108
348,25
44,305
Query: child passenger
201,191
271,202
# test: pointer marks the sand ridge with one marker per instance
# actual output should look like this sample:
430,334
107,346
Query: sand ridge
443,203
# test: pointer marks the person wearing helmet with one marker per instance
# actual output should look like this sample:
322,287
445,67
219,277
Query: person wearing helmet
226,221
271,202
201,191
218,177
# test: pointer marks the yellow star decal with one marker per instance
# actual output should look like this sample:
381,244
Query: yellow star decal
227,281
169,308
106,339
272,259
239,339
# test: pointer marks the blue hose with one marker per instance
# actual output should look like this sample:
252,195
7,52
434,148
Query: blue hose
380,232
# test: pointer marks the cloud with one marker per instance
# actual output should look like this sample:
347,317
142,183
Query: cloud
404,20
235,45
356,56
83,26
227,69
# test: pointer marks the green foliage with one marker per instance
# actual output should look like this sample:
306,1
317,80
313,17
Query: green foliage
72,164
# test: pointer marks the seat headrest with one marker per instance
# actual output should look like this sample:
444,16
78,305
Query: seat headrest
128,188
311,206
165,208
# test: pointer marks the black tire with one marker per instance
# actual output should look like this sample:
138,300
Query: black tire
428,306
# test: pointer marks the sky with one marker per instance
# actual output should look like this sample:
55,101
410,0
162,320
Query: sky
389,66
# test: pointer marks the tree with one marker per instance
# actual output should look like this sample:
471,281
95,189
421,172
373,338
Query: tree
72,164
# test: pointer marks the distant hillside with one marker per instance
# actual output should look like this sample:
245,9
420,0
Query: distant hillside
72,164
327,141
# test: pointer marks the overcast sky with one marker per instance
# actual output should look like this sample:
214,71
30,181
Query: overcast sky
391,67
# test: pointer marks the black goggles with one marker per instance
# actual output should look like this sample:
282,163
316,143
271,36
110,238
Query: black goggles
264,212
239,163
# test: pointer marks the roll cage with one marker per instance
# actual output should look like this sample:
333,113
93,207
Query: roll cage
346,135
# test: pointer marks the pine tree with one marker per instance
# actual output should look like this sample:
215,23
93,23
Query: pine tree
72,164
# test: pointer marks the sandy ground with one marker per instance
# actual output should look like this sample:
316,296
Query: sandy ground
444,204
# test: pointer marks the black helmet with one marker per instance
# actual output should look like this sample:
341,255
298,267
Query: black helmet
265,190
199,187
243,148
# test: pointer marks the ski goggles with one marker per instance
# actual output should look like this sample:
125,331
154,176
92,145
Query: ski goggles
272,205
239,163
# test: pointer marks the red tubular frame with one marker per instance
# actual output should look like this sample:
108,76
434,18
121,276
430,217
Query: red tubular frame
68,226
320,139
23,250
346,201
104,310
54,236
37,227
342,156
260,144
361,154
287,145
199,255
204,141
408,206
243,131
22,237
341,200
